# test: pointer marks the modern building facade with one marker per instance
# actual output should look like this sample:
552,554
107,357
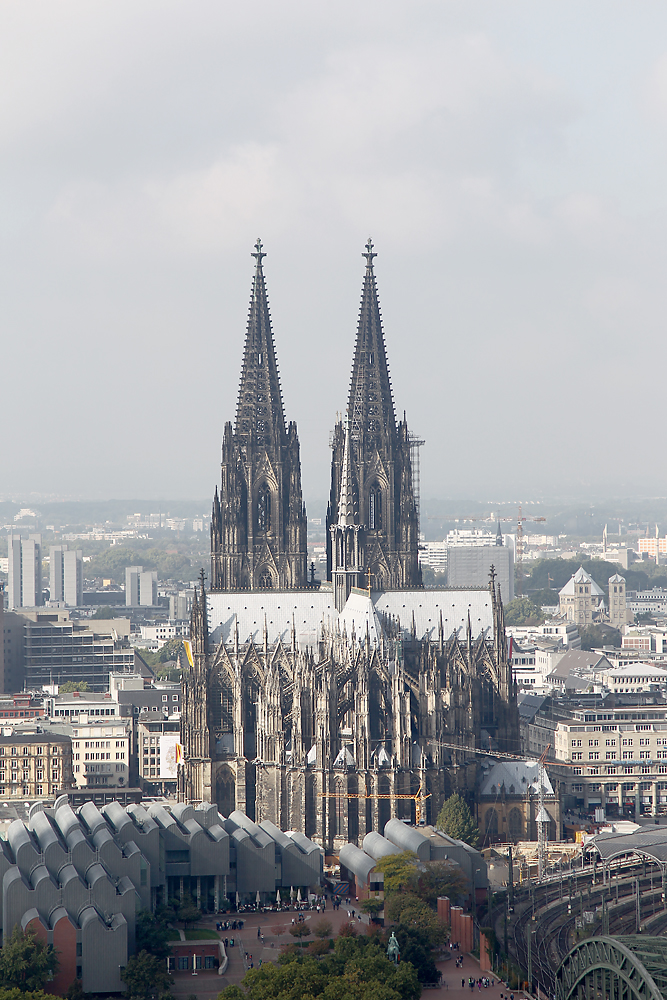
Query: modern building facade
469,566
140,587
78,878
66,575
56,649
24,578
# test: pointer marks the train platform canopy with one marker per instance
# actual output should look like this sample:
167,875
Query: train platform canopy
649,842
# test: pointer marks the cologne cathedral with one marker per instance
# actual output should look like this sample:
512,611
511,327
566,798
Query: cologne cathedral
331,707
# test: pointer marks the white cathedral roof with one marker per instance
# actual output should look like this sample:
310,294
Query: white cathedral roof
309,609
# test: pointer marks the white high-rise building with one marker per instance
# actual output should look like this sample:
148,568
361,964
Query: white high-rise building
24,583
66,575
140,587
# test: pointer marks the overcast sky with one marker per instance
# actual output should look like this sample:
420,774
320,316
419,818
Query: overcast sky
508,159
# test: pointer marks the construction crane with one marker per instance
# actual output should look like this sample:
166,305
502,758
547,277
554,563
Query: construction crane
418,798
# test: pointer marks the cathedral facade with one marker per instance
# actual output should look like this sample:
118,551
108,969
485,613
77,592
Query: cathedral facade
330,708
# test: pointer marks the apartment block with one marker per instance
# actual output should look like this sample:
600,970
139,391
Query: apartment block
140,587
24,572
66,575
34,765
101,750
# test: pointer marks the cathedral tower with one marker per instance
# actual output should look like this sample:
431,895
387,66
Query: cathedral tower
258,524
381,455
347,533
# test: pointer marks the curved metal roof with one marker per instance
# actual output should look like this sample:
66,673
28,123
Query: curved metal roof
651,843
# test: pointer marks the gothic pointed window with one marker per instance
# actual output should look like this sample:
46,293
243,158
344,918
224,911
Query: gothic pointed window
265,581
263,509
375,508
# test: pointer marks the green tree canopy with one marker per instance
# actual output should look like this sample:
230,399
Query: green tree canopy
188,911
411,912
26,962
17,994
522,611
69,686
152,934
440,878
594,636
399,871
456,820
358,969
415,947
145,976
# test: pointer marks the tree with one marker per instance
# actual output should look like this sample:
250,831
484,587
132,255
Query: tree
440,878
26,962
69,686
408,910
300,930
323,928
595,636
358,969
372,906
152,935
188,911
455,819
17,994
145,977
522,611
399,870
416,949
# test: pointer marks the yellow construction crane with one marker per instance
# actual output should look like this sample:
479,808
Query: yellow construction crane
418,798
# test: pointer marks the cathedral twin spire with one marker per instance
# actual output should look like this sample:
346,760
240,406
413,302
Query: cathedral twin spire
258,526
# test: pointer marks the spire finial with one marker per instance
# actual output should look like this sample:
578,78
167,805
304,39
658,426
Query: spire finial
369,253
259,254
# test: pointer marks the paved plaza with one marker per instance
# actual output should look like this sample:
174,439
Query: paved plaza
274,927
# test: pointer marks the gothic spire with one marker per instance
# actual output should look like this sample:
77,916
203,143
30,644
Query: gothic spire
371,403
348,504
260,402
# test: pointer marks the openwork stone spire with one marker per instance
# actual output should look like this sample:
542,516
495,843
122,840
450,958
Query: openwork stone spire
348,503
260,402
380,450
371,403
258,523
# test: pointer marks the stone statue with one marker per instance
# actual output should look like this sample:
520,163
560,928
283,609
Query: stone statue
393,949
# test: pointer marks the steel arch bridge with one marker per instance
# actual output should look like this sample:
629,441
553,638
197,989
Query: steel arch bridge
614,968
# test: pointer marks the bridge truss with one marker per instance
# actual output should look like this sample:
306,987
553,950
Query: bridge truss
617,968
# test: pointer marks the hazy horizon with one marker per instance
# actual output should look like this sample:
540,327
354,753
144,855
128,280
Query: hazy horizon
507,159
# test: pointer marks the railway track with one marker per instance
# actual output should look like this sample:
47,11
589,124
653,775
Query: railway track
551,917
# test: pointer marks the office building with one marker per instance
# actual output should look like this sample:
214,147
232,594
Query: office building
56,649
24,578
470,565
140,587
66,575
